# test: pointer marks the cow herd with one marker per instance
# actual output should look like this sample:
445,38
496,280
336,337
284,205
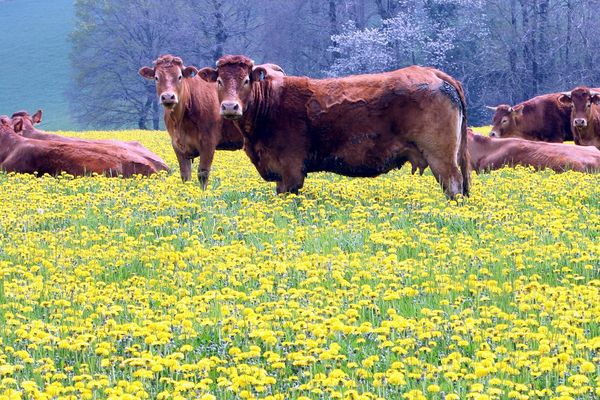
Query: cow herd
362,126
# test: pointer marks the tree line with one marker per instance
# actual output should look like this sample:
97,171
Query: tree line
504,51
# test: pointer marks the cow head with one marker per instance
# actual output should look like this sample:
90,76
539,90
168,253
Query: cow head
505,121
580,100
235,77
169,74
28,121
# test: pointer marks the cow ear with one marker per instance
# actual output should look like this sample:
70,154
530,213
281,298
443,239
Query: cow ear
18,125
208,74
190,72
146,72
517,110
37,117
259,74
595,97
565,98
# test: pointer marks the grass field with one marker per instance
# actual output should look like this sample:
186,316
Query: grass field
356,289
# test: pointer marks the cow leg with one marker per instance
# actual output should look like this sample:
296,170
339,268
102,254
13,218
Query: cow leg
185,166
447,174
207,155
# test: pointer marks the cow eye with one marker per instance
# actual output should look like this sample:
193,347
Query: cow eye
247,81
179,77
219,82
156,78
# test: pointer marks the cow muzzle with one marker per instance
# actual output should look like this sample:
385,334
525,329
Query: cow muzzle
231,110
168,100
580,122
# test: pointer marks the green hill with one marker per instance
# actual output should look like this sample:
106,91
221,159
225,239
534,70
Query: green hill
35,69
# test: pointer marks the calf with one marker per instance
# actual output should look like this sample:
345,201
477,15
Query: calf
585,115
25,155
191,114
359,126
488,153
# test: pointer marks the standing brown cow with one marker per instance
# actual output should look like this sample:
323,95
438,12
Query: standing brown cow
585,115
24,155
30,131
489,153
543,118
191,113
356,126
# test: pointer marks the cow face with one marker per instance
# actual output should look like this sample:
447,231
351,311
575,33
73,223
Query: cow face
169,74
235,77
505,121
580,100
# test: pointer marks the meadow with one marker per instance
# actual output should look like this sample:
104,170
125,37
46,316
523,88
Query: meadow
378,288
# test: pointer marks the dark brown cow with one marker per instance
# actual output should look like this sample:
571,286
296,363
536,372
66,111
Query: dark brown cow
585,115
543,118
359,126
191,113
488,153
30,131
24,155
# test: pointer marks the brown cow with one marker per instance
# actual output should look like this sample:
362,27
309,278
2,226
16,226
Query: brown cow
489,153
543,118
24,155
30,131
585,115
356,126
191,114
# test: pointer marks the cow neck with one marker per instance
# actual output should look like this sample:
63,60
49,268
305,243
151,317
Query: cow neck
259,108
8,140
177,113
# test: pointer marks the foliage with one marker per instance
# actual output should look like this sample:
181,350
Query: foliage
356,289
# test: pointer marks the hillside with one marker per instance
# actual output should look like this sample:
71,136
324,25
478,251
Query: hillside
35,69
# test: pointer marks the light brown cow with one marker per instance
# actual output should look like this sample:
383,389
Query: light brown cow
30,131
24,155
488,153
585,115
191,114
359,126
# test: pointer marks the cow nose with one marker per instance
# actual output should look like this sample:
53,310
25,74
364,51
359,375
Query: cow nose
168,98
580,122
231,109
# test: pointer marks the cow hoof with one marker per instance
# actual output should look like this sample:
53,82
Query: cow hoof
203,179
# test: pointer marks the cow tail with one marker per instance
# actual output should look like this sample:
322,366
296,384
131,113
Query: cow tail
463,152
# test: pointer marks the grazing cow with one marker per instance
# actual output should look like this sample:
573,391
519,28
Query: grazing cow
489,153
191,114
359,126
25,155
585,115
30,131
543,118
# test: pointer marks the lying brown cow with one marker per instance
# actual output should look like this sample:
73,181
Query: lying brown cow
24,155
359,126
585,115
488,153
30,131
543,118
